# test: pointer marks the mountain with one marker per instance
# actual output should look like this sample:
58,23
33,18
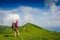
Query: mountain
29,32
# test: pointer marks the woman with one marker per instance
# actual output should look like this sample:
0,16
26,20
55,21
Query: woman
15,28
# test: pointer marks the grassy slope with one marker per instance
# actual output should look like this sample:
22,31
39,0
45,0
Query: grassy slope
28,32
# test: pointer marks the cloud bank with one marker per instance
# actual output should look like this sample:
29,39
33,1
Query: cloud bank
41,17
7,17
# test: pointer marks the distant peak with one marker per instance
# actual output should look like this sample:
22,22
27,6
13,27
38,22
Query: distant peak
29,24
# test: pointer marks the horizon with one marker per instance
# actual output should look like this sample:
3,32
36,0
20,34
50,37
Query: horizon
54,29
44,13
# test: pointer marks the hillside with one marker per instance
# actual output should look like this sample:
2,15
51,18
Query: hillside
28,32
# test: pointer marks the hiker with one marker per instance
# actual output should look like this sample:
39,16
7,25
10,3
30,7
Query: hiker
15,28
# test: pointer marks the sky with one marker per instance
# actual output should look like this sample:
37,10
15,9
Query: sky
44,13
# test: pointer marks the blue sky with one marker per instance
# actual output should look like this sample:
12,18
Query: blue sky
44,13
15,3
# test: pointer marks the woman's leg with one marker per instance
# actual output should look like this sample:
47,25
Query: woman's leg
17,32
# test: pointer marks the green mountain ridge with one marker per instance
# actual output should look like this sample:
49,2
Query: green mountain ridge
38,27
29,32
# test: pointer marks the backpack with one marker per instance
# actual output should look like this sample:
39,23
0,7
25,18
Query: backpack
13,26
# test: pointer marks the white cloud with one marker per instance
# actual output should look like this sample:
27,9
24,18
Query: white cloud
53,8
50,2
45,14
28,17
8,16
52,5
26,9
49,18
29,14
56,16
13,17
53,23
54,11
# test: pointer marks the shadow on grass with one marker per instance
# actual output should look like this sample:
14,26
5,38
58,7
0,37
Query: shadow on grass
8,36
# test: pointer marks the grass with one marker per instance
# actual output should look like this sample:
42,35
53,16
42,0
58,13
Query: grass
28,32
